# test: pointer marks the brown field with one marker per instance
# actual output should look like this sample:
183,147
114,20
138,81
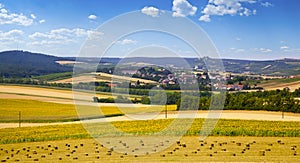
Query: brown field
78,79
67,62
26,97
45,94
279,85
102,77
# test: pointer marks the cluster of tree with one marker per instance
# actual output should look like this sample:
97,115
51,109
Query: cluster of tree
30,81
240,79
119,99
296,93
277,100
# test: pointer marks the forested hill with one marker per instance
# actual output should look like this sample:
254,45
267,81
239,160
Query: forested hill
27,64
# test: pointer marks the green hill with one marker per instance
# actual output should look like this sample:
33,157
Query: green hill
27,64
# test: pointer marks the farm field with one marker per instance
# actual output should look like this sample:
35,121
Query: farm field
48,94
149,127
101,77
231,140
45,94
263,137
39,111
274,84
190,149
35,110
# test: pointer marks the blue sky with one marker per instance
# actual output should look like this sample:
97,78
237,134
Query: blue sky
243,29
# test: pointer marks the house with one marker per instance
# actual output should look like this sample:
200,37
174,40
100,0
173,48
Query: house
112,85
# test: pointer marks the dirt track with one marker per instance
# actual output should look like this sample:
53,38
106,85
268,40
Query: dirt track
244,115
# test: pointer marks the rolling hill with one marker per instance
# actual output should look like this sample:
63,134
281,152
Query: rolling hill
27,64
282,67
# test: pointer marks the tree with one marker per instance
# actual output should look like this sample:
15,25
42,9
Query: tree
145,100
122,99
95,99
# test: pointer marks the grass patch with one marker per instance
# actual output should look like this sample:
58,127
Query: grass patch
54,76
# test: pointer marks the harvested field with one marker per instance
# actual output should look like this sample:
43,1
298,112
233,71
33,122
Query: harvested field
280,84
45,94
189,149
102,77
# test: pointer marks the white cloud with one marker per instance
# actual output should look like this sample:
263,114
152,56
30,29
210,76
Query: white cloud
284,47
292,51
3,11
92,35
127,41
205,18
50,42
12,35
13,18
32,16
262,50
252,50
92,17
226,7
266,4
151,11
265,50
246,12
237,50
182,8
59,36
42,21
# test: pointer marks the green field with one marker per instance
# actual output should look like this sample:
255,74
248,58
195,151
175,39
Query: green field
54,76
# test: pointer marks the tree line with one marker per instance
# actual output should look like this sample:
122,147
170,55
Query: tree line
274,100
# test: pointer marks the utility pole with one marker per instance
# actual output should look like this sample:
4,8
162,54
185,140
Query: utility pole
19,119
283,106
166,111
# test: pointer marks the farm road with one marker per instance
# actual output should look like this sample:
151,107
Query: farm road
242,115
